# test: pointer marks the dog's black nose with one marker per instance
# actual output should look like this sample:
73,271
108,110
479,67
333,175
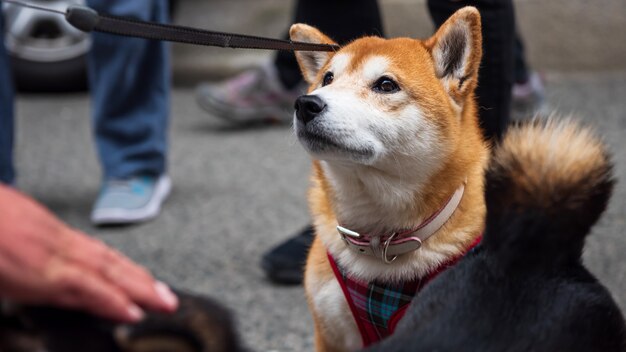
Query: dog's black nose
309,107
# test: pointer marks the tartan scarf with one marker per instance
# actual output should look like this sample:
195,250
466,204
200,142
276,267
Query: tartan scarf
377,307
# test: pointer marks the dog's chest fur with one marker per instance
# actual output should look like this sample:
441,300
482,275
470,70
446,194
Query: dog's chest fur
341,329
368,199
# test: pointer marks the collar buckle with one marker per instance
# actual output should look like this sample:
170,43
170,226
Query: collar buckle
402,242
387,251
384,256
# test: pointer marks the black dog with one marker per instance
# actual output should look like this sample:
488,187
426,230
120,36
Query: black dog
525,288
199,325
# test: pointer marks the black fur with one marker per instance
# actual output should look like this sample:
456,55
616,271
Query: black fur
524,288
454,47
199,325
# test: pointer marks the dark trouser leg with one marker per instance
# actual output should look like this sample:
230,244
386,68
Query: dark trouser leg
7,173
342,20
521,69
496,71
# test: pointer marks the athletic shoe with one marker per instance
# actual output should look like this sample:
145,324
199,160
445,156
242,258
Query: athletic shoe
130,200
254,96
284,264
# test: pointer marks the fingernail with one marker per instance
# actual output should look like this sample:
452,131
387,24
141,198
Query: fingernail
135,313
166,294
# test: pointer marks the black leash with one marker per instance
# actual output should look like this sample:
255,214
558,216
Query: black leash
88,20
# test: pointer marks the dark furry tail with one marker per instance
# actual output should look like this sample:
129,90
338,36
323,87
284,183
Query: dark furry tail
548,183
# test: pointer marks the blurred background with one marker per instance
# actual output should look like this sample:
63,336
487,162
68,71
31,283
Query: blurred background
560,36
238,191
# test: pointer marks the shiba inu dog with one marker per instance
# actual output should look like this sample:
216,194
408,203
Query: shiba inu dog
525,287
399,162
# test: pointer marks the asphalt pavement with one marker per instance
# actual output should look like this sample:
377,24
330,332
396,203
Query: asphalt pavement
239,191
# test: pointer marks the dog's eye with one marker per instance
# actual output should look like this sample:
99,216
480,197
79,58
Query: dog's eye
328,79
385,85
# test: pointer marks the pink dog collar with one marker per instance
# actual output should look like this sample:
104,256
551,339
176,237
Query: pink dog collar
389,247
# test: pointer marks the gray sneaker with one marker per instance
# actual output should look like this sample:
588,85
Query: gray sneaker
130,200
254,96
529,97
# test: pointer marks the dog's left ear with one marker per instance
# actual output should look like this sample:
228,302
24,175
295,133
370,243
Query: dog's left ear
456,49
311,62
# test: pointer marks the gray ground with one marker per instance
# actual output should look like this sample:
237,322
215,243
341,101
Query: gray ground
239,191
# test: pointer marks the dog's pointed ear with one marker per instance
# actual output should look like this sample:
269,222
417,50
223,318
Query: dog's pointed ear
310,61
456,50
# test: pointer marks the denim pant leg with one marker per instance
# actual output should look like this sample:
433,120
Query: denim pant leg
7,173
130,87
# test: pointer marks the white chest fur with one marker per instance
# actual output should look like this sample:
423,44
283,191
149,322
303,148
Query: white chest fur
335,317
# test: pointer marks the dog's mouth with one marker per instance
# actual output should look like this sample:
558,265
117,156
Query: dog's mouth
327,146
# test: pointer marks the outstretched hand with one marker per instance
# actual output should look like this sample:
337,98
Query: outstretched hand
43,261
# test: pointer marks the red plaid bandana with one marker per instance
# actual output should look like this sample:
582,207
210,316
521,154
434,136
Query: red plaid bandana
377,307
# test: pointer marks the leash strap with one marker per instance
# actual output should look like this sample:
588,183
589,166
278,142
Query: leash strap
88,20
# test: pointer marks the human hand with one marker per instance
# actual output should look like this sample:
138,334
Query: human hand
43,261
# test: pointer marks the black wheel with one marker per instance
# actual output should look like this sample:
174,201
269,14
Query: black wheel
47,53
62,76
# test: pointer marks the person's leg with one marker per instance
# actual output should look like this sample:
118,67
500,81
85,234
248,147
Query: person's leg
130,86
496,71
521,69
7,173
528,89
342,20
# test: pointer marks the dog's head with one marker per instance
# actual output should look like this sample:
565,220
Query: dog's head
376,101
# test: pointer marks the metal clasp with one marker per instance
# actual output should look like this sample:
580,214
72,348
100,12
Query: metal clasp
385,259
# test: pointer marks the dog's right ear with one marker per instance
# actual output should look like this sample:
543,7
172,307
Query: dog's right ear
311,62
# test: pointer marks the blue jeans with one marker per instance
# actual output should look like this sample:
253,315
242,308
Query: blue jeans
130,85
